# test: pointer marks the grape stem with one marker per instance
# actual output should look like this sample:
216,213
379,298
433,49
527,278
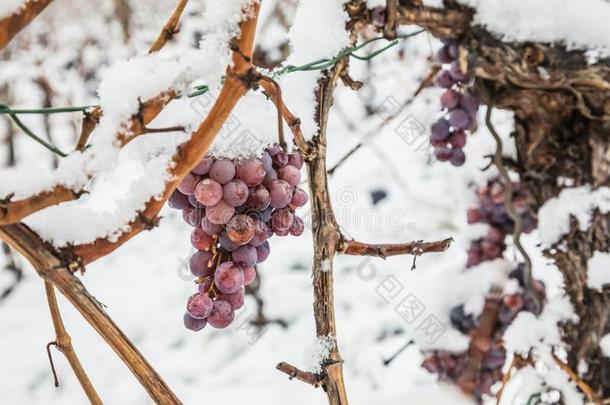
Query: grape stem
528,279
304,376
63,342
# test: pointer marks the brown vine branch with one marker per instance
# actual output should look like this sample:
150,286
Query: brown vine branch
480,340
14,23
584,387
170,28
53,268
189,154
440,22
14,211
389,28
384,250
293,372
63,342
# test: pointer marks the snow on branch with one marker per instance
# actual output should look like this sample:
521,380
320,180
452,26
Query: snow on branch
15,15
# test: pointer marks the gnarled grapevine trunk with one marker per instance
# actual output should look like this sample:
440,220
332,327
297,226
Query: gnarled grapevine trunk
562,130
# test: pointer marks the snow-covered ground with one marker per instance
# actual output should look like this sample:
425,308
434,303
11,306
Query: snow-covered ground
145,283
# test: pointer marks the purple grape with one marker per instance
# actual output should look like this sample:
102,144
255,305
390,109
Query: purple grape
450,99
282,220
221,213
274,150
203,166
281,193
249,274
201,240
235,192
296,160
259,198
279,232
240,229
236,299
456,72
222,315
226,243
269,178
266,214
442,154
266,161
199,306
222,171
193,201
290,174
262,252
251,172
444,80
210,228
443,55
378,16
457,157
261,233
280,159
453,48
193,216
199,264
208,192
228,277
187,185
458,139
299,198
297,227
470,103
440,130
244,256
178,200
194,324
459,118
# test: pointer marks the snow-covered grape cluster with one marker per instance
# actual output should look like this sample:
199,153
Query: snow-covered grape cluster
449,366
448,134
234,207
491,209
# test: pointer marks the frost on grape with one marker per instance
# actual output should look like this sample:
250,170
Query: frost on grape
316,354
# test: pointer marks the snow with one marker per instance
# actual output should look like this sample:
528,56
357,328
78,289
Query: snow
579,202
529,331
426,200
575,24
598,270
604,343
316,354
9,7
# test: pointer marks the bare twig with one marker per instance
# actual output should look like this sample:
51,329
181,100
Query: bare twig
584,387
63,342
170,28
54,268
11,25
383,250
389,28
293,372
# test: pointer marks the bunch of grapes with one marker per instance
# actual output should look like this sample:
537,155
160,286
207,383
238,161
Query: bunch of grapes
448,134
234,207
491,209
450,366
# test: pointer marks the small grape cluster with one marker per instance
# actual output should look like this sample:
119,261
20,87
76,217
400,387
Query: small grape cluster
448,134
234,207
449,366
491,209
